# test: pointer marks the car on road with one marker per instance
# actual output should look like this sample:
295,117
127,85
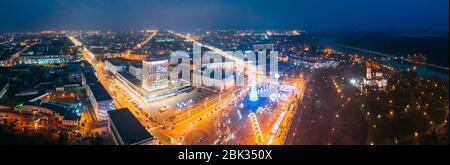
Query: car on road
163,108
152,119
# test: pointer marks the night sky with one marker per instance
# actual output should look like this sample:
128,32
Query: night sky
325,15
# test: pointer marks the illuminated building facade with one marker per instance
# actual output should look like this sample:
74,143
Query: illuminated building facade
99,97
377,82
115,65
45,59
101,101
136,69
155,74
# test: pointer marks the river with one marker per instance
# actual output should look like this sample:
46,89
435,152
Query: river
428,70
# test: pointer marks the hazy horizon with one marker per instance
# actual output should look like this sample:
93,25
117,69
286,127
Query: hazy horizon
409,16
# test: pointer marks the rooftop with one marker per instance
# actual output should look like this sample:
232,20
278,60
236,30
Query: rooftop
129,128
3,82
157,58
90,77
67,113
136,64
100,92
131,78
117,61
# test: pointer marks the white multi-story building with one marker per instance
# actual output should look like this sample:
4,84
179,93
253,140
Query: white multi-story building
114,65
136,70
100,100
155,74
99,97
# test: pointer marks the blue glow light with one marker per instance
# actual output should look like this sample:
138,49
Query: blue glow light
252,106
239,114
253,92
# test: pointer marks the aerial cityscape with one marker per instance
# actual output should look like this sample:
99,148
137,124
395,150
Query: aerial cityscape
67,83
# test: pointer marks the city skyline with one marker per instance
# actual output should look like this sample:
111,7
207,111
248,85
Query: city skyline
416,16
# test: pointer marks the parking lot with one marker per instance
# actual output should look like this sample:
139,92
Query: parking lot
164,110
